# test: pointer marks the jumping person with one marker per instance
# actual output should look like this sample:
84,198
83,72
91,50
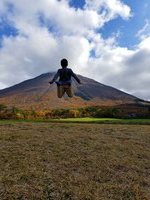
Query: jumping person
64,83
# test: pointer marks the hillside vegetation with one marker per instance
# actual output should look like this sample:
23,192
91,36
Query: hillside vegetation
126,111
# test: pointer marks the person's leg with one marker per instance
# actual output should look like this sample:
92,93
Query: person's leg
60,91
68,90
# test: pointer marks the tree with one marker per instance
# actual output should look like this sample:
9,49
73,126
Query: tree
3,107
74,113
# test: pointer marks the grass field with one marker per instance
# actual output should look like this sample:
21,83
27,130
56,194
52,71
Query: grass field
74,161
85,120
106,120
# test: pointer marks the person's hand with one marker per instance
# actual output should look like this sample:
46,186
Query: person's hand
51,82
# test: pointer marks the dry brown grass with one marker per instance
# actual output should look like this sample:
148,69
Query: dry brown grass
74,161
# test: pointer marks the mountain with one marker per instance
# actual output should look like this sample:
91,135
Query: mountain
39,94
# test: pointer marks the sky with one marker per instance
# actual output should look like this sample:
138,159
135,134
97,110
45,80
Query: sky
106,40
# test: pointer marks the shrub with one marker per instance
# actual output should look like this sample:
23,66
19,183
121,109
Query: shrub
49,114
61,112
92,109
19,116
33,114
3,107
41,114
83,112
74,113
109,113
98,113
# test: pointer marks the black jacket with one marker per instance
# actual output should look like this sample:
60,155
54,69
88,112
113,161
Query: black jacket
65,75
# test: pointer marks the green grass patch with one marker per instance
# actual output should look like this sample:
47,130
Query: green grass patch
105,120
83,120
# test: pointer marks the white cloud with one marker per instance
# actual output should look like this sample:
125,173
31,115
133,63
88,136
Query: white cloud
109,8
122,68
145,31
72,33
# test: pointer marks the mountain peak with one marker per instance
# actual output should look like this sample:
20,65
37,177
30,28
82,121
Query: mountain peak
38,93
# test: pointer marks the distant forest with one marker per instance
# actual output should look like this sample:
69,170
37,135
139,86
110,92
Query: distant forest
124,111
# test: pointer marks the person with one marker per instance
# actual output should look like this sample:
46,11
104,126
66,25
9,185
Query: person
64,83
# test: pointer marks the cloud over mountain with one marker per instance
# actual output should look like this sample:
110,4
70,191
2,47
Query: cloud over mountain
47,30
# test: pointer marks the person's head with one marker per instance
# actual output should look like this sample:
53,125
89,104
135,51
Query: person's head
64,63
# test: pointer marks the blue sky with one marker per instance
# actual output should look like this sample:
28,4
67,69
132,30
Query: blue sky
128,29
77,3
7,30
101,39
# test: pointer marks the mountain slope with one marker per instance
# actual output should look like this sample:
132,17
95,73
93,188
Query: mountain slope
38,93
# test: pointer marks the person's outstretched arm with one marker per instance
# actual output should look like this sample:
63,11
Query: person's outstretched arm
55,77
75,76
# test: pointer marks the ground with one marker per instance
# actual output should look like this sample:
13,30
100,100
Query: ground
62,161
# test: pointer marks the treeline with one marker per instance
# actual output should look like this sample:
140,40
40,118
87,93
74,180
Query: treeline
17,113
93,111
